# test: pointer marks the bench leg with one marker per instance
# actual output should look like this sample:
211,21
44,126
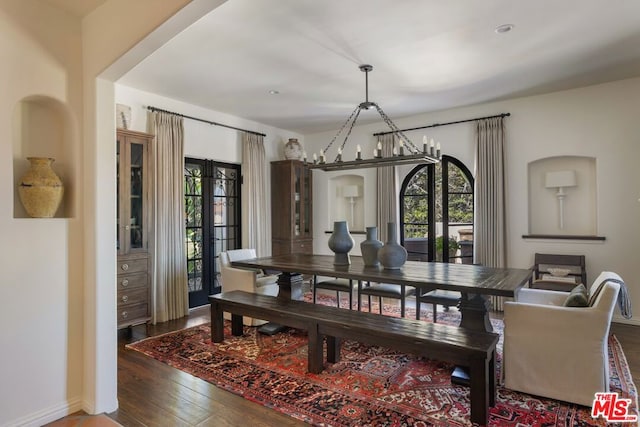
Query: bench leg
333,349
480,384
217,323
492,379
314,352
236,325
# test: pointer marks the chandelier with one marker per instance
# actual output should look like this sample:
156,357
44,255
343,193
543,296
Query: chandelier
405,152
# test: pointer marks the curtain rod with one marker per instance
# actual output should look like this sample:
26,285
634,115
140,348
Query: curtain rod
445,124
204,121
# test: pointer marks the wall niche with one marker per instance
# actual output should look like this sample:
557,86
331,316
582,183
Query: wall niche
562,196
346,201
43,127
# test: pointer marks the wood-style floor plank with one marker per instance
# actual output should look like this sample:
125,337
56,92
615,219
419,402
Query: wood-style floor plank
151,393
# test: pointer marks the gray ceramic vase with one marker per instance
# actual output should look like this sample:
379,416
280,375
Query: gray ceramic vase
369,248
341,243
392,255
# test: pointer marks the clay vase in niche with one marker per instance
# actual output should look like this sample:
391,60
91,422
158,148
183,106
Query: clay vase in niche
40,189
293,149
370,247
341,243
392,255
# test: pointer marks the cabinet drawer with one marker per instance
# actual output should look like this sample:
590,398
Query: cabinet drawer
132,281
302,247
132,265
132,296
133,313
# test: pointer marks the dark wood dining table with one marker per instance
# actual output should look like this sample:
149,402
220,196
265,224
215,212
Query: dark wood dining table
475,283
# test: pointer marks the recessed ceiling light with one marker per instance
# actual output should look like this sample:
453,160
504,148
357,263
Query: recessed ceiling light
504,28
274,92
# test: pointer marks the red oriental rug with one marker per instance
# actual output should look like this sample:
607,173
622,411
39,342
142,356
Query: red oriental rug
370,386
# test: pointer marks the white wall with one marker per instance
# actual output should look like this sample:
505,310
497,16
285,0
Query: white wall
203,140
57,276
598,121
40,259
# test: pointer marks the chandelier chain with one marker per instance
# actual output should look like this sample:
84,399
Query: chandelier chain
411,147
353,122
354,113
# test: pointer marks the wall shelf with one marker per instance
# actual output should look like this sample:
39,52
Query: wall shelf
562,237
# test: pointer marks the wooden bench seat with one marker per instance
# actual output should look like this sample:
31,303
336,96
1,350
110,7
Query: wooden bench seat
469,348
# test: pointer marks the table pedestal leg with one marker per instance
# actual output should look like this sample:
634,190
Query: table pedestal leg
290,287
475,315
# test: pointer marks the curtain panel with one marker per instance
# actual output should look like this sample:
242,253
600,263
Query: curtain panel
490,216
256,204
386,185
169,289
490,246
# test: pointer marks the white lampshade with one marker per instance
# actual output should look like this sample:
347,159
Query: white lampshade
350,191
560,179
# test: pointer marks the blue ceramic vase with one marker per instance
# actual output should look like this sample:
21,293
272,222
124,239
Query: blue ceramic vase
341,243
392,255
369,248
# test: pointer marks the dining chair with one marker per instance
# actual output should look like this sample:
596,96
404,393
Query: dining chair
437,297
334,284
384,290
255,281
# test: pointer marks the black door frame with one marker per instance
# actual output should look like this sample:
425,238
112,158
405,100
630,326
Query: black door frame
209,256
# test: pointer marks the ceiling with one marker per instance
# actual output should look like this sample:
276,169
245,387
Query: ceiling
427,55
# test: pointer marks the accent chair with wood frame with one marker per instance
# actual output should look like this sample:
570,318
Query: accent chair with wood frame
558,272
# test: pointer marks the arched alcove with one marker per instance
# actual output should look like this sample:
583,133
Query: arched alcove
563,196
44,127
346,200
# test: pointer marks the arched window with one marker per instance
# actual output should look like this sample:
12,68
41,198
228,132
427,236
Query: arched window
436,200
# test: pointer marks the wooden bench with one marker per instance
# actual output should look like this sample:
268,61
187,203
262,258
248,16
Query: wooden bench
470,348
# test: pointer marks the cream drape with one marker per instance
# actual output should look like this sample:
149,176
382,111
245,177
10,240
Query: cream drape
490,209
386,185
256,207
490,217
169,291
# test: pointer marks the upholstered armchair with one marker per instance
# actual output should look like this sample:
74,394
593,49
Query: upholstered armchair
559,352
245,279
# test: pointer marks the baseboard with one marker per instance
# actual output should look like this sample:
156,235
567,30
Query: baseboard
49,414
619,319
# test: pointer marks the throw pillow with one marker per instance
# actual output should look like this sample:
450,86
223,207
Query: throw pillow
577,297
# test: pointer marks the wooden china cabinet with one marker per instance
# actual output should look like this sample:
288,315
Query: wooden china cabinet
291,204
133,226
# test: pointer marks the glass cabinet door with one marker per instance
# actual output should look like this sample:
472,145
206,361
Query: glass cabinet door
136,196
119,243
131,158
297,200
306,207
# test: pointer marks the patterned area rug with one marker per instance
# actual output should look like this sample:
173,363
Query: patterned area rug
370,386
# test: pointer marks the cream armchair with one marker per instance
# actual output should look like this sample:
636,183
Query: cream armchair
555,351
245,279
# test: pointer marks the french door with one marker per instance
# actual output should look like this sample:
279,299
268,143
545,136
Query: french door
212,217
436,211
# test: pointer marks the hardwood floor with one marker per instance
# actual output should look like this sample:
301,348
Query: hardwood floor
151,393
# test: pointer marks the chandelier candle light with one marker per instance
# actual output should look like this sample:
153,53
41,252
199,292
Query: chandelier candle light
404,153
